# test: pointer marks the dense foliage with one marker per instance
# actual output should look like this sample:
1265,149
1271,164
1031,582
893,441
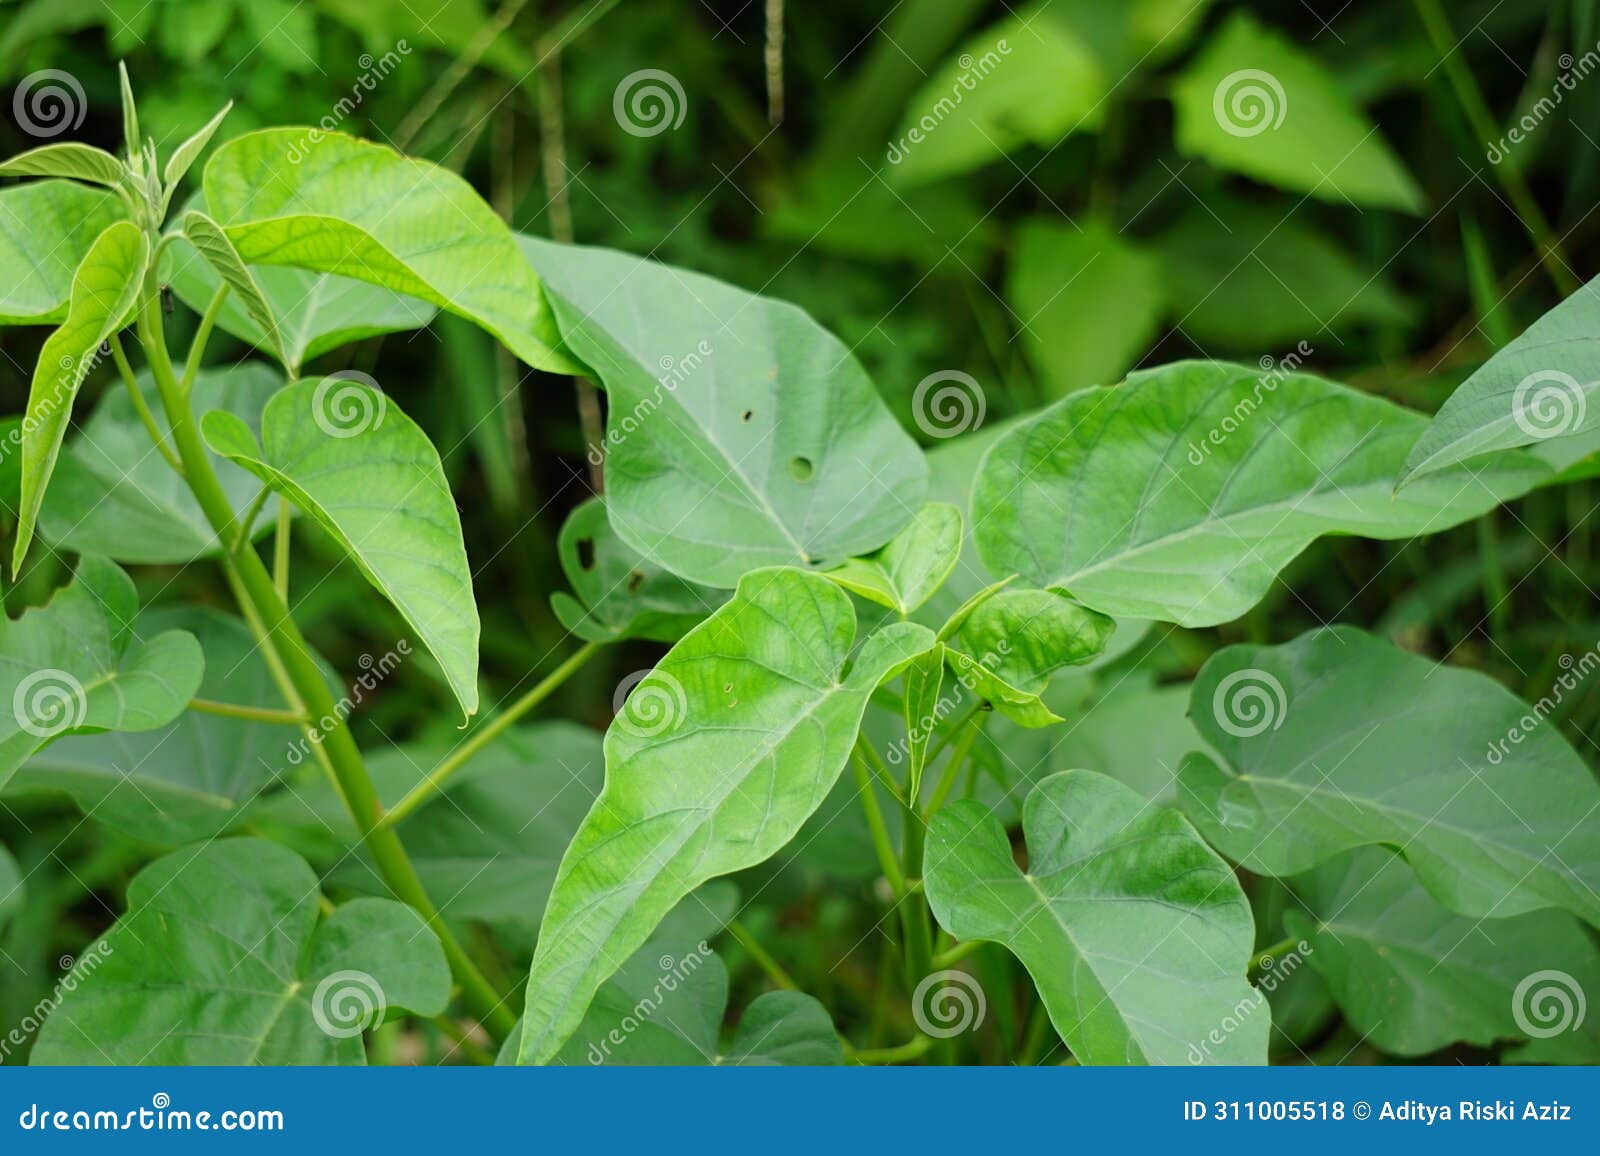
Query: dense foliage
1025,534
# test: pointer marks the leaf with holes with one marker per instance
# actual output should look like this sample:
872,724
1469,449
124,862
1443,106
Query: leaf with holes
224,958
740,433
1134,931
715,761
350,459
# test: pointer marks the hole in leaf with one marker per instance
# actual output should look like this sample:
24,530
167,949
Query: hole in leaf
635,580
747,415
802,469
586,553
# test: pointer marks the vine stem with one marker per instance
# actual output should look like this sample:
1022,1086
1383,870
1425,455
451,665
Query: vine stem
253,713
140,407
329,733
911,1050
1261,958
762,957
483,736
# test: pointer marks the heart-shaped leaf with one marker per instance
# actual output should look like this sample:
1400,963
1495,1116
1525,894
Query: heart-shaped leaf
113,494
195,777
223,958
620,593
46,228
1180,494
1493,810
1413,978
1134,931
1535,390
349,458
906,570
729,447
717,758
335,204
104,290
75,665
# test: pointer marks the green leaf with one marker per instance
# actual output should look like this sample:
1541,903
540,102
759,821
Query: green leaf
716,759
46,228
198,775
104,291
74,665
184,156
1006,646
1180,494
1134,931
905,571
1412,978
1087,299
1243,277
12,891
223,958
621,594
68,159
315,312
130,112
350,459
1310,733
212,243
1255,103
1536,390
922,711
729,449
335,204
112,494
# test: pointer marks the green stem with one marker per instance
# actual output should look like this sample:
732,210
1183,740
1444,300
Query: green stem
1261,958
253,713
763,960
140,406
881,843
952,769
330,735
956,954
483,736
280,551
1482,121
197,347
905,1052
